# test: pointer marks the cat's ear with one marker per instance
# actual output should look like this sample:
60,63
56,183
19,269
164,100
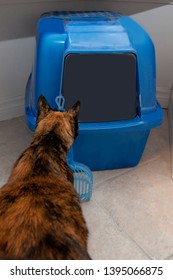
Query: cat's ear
75,109
43,108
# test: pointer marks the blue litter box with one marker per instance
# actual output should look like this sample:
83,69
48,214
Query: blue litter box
107,61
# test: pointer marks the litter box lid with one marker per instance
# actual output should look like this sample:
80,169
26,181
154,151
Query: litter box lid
64,35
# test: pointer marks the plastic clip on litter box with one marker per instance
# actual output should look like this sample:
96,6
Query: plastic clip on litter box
83,178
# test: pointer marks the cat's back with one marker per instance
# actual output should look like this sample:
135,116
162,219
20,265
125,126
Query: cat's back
42,219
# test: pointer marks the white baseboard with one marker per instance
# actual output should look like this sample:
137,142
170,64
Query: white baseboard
163,96
12,108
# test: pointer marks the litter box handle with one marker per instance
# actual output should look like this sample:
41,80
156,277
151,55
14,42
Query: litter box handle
60,101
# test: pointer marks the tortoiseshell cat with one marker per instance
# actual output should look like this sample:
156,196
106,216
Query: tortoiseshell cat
40,213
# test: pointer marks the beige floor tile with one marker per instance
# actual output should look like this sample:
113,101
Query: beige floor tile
102,176
14,137
141,202
106,240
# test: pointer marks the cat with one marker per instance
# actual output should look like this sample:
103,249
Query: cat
40,213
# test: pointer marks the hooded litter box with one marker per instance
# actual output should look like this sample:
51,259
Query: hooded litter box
106,61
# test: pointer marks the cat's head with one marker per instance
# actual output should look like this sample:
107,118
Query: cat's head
60,124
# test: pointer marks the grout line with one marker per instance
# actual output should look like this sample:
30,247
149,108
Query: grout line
128,170
170,257
124,233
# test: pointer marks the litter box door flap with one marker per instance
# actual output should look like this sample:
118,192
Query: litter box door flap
104,83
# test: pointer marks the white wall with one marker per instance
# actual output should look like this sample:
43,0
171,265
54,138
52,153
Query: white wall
159,23
18,25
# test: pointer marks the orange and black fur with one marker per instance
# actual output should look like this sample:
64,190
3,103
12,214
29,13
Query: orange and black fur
40,213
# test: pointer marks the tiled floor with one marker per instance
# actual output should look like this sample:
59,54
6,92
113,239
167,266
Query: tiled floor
130,215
